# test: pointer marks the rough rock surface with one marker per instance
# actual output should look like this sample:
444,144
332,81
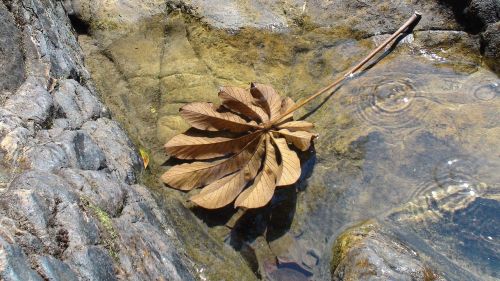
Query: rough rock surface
483,17
70,208
491,45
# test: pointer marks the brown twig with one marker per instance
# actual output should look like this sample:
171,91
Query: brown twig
353,70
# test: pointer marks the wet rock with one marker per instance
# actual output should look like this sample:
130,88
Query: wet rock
11,58
366,253
456,219
103,14
491,45
371,155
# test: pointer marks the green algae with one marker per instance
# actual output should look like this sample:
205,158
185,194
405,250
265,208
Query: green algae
108,232
347,240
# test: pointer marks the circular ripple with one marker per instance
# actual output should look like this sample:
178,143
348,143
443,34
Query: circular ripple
390,104
456,172
452,187
487,91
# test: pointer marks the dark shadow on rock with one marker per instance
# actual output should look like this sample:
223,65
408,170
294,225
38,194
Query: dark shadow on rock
80,26
474,15
217,217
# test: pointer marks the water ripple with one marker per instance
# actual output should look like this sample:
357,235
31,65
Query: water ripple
390,104
487,91
452,187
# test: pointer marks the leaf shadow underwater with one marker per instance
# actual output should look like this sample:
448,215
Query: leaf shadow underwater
271,221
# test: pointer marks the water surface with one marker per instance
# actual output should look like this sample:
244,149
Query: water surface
411,142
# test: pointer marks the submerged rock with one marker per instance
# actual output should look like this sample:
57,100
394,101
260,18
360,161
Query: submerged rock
365,252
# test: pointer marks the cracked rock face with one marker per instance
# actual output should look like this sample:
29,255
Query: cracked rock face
70,206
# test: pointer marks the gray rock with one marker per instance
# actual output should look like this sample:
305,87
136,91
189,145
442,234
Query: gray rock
64,149
93,263
54,269
89,155
11,58
121,157
51,49
62,216
15,266
13,143
32,102
51,218
491,45
486,11
278,15
75,103
138,217
48,157
101,189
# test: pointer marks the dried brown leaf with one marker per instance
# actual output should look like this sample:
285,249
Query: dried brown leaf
268,98
290,163
204,116
241,101
302,140
190,146
222,192
251,149
262,189
190,175
297,126
286,104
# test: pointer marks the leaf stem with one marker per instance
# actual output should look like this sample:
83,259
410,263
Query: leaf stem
416,16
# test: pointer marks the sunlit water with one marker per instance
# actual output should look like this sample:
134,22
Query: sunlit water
412,142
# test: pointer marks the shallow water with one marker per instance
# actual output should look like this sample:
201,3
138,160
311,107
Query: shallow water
412,142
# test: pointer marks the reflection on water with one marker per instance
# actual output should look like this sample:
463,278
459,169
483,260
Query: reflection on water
413,141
